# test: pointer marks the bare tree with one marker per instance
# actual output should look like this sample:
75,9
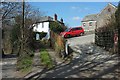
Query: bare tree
8,10
12,12
30,16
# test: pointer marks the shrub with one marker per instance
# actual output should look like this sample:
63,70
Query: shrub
25,63
41,34
117,16
104,36
57,27
57,43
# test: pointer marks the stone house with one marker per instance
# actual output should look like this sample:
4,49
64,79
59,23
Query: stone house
104,16
94,21
89,22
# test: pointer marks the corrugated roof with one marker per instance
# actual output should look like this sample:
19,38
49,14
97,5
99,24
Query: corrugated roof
92,17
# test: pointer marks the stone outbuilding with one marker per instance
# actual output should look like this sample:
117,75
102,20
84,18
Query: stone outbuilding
94,21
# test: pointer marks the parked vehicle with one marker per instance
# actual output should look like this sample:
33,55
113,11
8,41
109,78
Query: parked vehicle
70,32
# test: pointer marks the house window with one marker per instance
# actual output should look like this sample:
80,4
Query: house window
36,25
42,25
37,36
109,10
83,24
90,23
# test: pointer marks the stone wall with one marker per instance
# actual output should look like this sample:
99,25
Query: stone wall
104,16
87,27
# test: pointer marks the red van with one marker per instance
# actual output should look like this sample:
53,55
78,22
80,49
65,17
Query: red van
70,32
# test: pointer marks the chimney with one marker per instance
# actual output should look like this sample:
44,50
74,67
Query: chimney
55,17
61,20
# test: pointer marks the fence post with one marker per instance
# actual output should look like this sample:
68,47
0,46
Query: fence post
115,42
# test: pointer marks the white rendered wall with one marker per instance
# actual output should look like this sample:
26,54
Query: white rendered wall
38,27
42,27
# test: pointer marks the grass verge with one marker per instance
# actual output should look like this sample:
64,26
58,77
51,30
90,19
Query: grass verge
25,64
46,59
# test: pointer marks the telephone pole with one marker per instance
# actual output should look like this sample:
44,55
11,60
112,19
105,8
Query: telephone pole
20,53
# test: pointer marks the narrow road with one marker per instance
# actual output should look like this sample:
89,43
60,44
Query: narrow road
81,40
8,67
90,61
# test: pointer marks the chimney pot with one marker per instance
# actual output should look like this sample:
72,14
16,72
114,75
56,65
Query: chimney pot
55,17
61,20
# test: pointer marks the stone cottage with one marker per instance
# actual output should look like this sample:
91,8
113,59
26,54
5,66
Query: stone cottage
89,22
105,15
94,21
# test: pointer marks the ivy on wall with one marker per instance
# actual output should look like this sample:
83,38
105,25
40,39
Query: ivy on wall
57,27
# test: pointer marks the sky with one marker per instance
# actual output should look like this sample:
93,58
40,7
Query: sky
71,12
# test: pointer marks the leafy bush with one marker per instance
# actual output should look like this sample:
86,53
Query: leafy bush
57,43
117,16
41,34
25,63
57,27
104,36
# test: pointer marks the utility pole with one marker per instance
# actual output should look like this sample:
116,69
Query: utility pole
20,53
23,21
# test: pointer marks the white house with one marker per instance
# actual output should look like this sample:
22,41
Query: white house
43,26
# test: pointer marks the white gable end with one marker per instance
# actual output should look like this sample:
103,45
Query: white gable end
41,27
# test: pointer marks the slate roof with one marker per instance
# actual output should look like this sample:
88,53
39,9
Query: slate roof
48,19
92,17
45,18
